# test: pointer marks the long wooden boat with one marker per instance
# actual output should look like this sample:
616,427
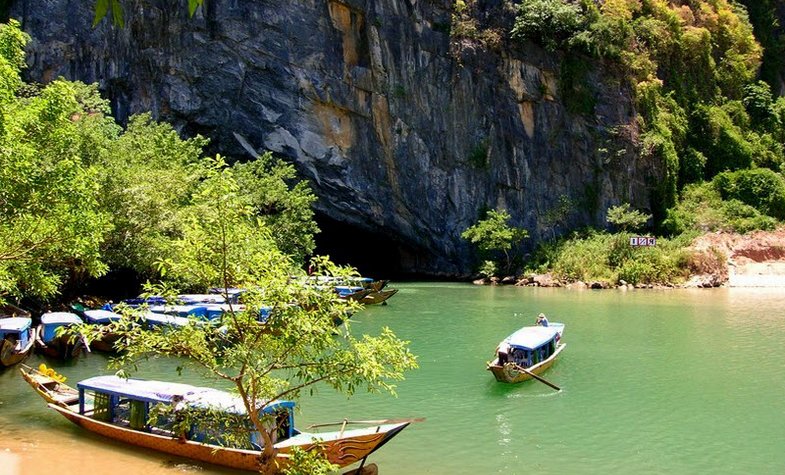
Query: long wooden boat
533,348
17,338
117,408
378,296
51,343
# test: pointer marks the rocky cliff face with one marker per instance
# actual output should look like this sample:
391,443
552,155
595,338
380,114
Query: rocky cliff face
400,135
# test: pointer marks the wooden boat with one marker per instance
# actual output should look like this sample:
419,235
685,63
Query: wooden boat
352,292
50,385
532,348
118,409
378,296
53,344
107,342
17,338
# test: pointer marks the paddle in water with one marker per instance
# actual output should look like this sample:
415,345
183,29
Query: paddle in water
538,378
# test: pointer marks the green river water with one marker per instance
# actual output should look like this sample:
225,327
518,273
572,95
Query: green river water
673,381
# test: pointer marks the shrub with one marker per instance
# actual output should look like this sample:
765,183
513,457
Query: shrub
760,188
548,22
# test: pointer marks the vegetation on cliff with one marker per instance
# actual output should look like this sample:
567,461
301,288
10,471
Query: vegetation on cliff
704,116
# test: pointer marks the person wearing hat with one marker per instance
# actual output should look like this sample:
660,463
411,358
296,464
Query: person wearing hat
542,320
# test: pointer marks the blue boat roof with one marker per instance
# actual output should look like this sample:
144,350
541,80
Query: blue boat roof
101,316
189,299
163,319
60,318
15,323
530,338
230,290
168,393
179,309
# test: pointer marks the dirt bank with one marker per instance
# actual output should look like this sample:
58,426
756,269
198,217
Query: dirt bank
756,259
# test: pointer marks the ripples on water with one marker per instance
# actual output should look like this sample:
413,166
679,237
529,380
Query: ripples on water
679,381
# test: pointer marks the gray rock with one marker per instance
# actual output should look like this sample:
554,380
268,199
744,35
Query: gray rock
398,134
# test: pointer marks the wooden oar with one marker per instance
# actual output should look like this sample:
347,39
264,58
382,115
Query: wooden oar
538,378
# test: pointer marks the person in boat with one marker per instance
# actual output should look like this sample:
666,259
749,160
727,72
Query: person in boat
542,320
503,351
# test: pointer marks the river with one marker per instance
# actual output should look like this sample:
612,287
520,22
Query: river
653,381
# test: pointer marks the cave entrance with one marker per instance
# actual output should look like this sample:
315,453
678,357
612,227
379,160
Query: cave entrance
372,254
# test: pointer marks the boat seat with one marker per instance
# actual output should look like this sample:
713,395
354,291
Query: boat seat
70,400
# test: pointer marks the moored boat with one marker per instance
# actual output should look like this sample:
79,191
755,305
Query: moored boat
50,385
378,296
108,340
119,409
51,342
529,350
17,337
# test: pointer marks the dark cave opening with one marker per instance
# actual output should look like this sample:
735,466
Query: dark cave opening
374,255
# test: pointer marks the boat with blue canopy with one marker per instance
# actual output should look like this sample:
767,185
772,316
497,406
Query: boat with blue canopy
161,320
17,338
50,340
103,318
185,311
529,350
120,409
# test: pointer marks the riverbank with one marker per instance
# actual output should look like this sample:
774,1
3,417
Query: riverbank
755,259
719,259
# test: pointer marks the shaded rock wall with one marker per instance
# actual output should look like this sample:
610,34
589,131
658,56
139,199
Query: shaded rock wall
397,136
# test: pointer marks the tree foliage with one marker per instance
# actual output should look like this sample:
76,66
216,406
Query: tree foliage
51,226
114,9
79,195
297,347
626,218
494,233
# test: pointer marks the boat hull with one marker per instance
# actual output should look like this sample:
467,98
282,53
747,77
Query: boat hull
9,355
59,347
50,390
378,296
342,451
508,374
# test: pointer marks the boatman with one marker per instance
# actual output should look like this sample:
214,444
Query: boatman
542,320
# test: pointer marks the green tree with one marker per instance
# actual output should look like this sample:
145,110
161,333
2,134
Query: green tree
284,203
147,175
51,226
296,348
625,218
493,233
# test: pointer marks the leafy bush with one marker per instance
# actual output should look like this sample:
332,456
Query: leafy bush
548,22
724,144
760,188
702,209
600,256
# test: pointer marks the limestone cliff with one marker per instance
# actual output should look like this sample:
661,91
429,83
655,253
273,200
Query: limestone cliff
402,134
